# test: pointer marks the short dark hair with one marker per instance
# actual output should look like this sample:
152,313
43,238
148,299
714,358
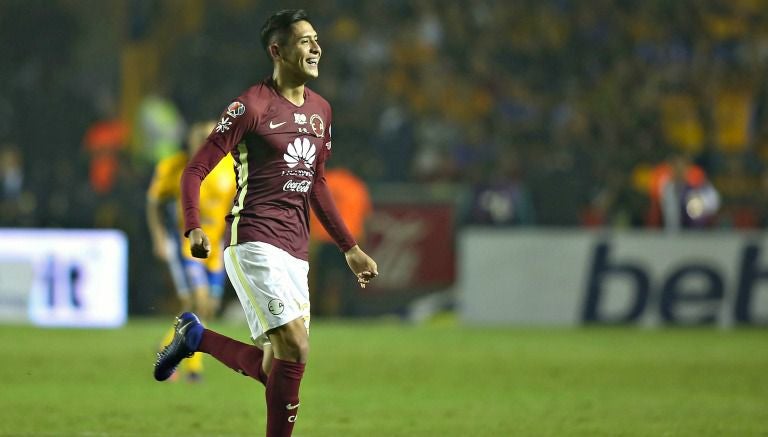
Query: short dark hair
279,24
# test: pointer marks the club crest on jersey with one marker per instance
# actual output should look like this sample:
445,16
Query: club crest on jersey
235,109
317,125
223,125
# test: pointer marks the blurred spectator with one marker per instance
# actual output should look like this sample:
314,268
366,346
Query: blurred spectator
681,121
15,202
733,112
616,204
104,141
682,196
393,141
502,199
11,172
159,128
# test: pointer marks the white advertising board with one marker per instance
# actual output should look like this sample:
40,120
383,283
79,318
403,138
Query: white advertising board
572,277
72,278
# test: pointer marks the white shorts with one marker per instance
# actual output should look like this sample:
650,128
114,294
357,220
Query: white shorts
271,285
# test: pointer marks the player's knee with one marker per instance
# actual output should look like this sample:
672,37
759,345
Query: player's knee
290,345
297,348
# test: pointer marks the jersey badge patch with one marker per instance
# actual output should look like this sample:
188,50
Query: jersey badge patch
317,125
223,125
276,306
235,109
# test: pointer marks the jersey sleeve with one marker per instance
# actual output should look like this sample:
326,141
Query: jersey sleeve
326,211
327,141
322,201
233,124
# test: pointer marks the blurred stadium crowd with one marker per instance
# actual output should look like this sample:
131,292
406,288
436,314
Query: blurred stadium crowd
532,112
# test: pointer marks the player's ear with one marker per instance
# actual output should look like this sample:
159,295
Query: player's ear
274,51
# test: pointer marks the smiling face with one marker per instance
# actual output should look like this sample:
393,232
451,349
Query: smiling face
300,55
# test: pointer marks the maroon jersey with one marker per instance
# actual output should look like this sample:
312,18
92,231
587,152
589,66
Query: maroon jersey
280,151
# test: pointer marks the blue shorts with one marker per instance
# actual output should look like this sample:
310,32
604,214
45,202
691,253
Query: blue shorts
199,276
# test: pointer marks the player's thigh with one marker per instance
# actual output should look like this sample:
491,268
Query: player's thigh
271,286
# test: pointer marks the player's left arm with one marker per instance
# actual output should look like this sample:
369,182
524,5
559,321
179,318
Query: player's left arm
362,265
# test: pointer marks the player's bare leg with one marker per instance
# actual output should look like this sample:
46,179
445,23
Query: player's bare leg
290,346
202,302
214,304
290,342
186,302
266,360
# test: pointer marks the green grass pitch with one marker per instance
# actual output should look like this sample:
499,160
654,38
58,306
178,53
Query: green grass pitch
388,379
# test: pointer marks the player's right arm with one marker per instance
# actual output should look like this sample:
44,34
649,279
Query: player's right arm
229,131
156,229
199,243
198,168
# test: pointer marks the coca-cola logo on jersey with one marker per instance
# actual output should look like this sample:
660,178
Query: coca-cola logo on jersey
297,186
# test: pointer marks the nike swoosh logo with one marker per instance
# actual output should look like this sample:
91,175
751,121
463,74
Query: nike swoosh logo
292,407
272,125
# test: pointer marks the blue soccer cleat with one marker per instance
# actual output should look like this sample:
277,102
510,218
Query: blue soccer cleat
187,333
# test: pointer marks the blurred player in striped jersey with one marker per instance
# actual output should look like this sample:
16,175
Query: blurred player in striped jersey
199,283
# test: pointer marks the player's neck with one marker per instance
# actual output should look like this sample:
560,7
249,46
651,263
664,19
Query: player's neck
292,90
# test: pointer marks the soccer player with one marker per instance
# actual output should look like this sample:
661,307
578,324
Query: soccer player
199,283
279,133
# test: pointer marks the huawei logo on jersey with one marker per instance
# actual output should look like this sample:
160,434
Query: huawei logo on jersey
300,151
